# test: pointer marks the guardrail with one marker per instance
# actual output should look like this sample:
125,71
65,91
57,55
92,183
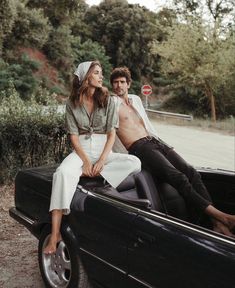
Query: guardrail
170,115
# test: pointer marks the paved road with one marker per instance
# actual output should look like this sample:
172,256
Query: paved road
198,147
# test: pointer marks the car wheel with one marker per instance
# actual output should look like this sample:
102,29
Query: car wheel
64,268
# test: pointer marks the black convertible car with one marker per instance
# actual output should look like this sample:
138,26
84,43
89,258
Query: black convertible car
140,235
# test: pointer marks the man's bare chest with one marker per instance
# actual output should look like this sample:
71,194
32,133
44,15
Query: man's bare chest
128,114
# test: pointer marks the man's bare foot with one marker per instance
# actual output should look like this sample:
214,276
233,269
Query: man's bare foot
230,221
227,220
51,246
221,228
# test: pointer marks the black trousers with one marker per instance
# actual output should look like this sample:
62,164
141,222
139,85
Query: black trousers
166,165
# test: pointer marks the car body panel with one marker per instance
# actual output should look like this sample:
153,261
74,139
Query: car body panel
176,254
124,244
103,233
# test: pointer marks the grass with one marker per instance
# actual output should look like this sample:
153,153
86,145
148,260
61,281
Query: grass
225,126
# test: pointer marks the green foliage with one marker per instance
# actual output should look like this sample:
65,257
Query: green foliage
226,104
21,75
30,28
192,55
44,97
161,81
220,14
135,88
60,12
30,135
7,18
59,50
125,31
187,100
200,37
90,50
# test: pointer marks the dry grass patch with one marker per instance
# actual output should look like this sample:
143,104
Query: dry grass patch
226,126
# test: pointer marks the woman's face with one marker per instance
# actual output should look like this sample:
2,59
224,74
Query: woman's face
96,77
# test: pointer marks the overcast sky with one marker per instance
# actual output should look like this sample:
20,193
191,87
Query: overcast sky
150,4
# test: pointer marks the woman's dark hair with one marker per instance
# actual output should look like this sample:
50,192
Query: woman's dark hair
79,90
121,72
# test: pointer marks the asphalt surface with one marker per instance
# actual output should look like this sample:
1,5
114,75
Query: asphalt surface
198,147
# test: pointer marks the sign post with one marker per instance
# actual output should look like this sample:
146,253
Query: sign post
146,90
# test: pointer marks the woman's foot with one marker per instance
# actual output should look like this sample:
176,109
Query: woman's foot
52,244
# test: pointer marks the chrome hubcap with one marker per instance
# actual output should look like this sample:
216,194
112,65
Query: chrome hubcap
57,267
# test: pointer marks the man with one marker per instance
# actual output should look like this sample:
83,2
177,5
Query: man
137,136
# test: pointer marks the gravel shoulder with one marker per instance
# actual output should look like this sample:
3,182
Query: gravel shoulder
18,258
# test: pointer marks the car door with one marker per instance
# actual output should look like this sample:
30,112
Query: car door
165,252
103,232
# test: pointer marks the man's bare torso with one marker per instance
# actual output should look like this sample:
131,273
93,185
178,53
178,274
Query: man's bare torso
131,126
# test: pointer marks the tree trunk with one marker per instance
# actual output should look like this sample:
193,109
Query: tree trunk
211,98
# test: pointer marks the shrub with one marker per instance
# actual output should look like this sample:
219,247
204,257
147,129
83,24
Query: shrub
31,73
21,74
30,135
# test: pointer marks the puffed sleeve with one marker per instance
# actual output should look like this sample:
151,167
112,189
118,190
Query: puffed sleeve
70,121
112,120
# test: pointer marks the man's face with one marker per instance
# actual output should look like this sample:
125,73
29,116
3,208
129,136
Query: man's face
120,86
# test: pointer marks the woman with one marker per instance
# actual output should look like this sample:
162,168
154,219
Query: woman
91,121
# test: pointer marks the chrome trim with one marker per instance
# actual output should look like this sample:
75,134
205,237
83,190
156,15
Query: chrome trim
137,280
20,215
115,201
103,261
219,171
189,227
162,216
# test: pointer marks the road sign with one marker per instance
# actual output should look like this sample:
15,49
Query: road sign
146,90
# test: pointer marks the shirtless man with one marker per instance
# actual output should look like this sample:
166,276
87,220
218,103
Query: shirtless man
137,136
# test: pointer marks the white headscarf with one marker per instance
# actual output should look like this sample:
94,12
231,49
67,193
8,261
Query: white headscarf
82,70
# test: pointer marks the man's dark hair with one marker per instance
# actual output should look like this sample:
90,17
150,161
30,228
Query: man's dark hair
121,72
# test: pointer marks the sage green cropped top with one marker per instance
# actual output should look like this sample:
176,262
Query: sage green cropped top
101,121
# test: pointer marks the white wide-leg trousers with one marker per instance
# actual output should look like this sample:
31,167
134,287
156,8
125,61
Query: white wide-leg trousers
117,167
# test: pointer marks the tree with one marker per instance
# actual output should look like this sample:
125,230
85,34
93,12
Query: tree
125,31
204,36
60,12
217,13
89,50
7,17
30,29
59,51
196,58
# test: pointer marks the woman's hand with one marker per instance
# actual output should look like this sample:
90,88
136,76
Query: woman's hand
98,167
87,169
87,165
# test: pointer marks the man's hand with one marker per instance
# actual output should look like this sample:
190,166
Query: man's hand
98,167
87,169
